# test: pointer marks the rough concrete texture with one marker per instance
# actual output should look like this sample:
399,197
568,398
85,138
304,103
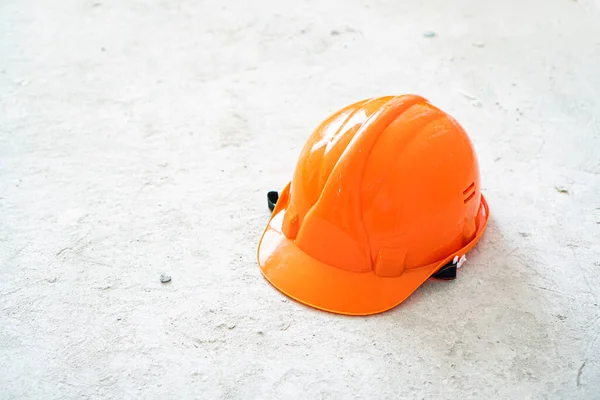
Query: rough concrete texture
140,137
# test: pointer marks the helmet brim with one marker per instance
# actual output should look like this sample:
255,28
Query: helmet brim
319,285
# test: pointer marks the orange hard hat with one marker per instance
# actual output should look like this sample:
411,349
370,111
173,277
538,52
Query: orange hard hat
385,195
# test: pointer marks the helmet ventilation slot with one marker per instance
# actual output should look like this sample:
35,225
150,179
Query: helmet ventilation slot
469,192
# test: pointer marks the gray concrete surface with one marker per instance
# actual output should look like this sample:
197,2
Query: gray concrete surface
140,137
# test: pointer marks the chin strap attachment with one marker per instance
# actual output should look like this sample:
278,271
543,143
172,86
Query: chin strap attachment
272,198
448,271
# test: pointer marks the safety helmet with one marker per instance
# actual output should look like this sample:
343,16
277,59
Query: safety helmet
385,195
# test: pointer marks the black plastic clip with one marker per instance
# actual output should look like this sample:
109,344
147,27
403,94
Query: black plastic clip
272,198
447,272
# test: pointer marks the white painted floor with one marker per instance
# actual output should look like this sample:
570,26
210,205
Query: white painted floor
140,138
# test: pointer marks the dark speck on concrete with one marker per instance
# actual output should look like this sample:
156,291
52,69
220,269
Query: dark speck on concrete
561,189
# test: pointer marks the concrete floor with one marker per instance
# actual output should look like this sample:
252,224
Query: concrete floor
141,137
